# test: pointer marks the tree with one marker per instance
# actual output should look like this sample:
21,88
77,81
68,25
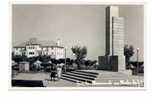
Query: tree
87,63
62,61
44,58
19,58
90,64
128,52
80,53
31,60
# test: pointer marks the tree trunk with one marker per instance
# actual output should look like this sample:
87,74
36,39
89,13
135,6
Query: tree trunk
127,61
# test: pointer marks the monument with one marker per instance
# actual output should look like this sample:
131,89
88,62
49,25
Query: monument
114,58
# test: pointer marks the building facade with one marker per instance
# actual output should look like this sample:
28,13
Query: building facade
33,48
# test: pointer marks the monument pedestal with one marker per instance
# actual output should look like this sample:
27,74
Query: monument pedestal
122,66
113,63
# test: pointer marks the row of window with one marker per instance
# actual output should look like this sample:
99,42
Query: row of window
19,53
35,47
51,48
31,53
20,48
31,47
58,53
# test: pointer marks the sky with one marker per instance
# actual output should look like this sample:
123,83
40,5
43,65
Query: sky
82,25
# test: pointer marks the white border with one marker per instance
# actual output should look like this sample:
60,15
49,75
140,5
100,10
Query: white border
75,88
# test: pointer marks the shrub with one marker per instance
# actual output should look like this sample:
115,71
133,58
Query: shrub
128,52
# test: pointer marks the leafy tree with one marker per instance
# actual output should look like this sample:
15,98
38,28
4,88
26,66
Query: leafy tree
19,58
80,54
55,61
128,52
87,63
62,61
44,58
31,60
71,61
90,63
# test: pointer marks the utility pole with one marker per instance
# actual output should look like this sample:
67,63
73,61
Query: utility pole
65,59
137,60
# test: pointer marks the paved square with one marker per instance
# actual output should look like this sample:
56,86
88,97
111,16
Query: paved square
103,77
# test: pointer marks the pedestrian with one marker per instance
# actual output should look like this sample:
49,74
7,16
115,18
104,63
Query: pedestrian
59,72
53,73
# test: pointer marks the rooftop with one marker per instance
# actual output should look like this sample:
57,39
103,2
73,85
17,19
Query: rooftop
34,41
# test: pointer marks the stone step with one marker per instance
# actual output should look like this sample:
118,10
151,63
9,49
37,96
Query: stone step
84,74
81,76
88,72
78,79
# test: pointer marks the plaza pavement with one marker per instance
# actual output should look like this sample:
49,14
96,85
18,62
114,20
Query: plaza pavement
45,77
103,77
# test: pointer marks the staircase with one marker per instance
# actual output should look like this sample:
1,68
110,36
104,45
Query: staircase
80,76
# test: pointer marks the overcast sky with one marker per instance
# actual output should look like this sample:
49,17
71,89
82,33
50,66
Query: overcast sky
75,25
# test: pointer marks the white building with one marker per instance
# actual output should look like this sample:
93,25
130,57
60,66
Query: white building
33,48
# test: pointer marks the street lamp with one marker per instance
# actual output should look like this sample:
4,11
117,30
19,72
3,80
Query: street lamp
65,59
137,59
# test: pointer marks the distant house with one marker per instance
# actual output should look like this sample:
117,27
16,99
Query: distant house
33,48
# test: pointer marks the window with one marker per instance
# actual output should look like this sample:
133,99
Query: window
31,53
31,47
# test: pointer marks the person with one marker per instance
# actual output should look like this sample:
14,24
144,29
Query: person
53,73
59,72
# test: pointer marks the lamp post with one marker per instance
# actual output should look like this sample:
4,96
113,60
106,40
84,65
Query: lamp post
65,59
137,59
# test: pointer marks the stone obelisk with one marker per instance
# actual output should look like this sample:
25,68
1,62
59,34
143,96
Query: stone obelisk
115,33
114,58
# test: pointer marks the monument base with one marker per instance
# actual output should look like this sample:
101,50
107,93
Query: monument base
113,63
128,72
